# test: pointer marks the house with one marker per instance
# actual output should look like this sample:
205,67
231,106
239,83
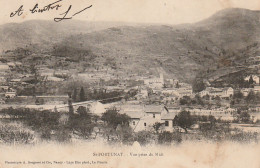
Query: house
184,92
245,91
257,89
2,101
15,80
155,111
18,63
168,91
142,117
227,92
173,109
135,112
4,67
144,93
29,79
223,113
154,82
46,72
255,78
11,64
94,107
2,79
221,92
4,87
204,92
54,79
135,119
255,108
146,123
170,99
11,94
167,119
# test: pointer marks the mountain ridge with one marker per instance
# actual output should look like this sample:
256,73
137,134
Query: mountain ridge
222,41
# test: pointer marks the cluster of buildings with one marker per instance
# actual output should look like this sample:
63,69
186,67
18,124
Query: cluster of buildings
169,88
143,117
255,89
225,92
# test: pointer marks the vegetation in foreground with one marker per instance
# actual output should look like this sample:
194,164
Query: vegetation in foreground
27,126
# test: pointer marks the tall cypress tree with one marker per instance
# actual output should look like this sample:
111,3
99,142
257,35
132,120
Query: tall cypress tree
74,96
251,80
82,94
71,110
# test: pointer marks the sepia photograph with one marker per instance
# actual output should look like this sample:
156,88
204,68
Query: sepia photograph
129,84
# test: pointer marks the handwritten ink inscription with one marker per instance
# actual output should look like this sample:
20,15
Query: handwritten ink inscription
52,6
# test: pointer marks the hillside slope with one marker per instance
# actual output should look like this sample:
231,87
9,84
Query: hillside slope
214,46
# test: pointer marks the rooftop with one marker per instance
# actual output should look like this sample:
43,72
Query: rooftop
168,116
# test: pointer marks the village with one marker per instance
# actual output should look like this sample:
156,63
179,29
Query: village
147,100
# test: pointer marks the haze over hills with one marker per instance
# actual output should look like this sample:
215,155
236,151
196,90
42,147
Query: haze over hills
217,45
15,35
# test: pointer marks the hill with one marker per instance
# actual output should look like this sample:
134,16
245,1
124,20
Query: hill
210,49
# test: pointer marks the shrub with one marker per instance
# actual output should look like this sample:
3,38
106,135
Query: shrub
143,137
10,133
167,137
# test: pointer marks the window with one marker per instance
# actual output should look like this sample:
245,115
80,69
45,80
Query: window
166,123
153,115
133,122
145,124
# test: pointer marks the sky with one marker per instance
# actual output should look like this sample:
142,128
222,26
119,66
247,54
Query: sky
139,11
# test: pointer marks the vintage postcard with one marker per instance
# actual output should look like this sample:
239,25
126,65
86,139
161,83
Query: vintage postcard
129,83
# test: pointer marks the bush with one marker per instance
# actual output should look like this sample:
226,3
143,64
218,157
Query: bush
143,137
177,137
63,135
243,137
125,134
15,134
167,137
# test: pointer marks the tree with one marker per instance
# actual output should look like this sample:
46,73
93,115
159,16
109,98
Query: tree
125,134
198,85
81,123
251,80
113,118
184,120
71,110
199,100
83,111
34,72
238,95
244,117
207,97
212,121
177,85
82,94
185,100
157,126
251,97
218,101
74,95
